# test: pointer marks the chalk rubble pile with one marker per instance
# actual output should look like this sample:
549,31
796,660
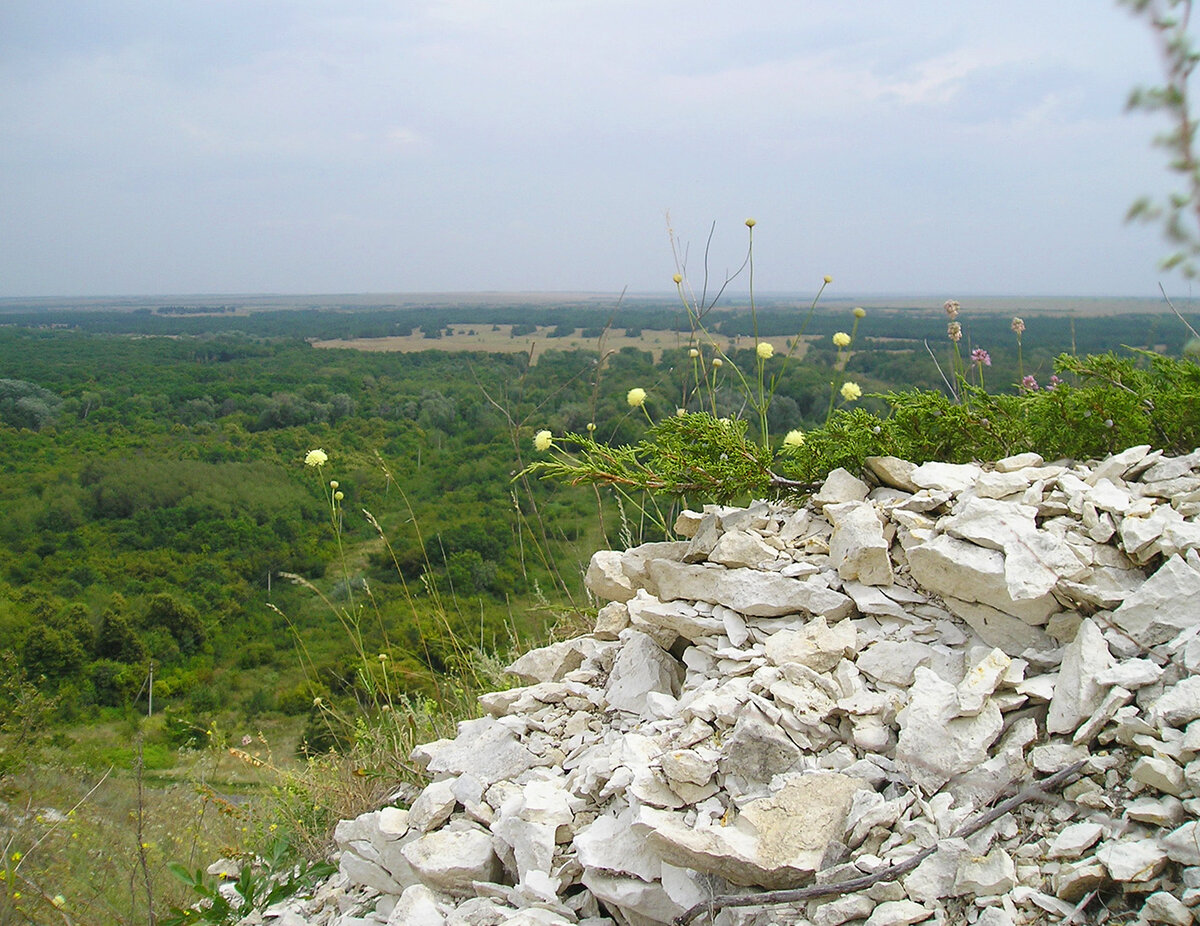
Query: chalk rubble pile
799,696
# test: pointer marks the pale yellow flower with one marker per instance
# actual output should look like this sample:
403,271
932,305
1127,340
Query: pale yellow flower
542,441
717,362
860,312
1018,325
841,339
851,391
316,457
591,425
951,306
680,412
693,353
636,397
333,483
338,496
765,350
750,223
793,439
828,278
678,278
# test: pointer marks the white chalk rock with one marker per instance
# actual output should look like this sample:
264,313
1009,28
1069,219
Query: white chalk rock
1077,693
816,645
1168,603
857,547
450,860
935,741
641,667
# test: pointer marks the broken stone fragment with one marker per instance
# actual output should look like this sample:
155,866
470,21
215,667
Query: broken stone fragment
450,860
840,486
748,591
1077,693
935,741
775,842
857,546
816,645
1167,603
957,569
641,667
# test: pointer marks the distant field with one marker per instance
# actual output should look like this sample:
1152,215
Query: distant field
499,339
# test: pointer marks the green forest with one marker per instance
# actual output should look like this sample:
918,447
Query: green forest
174,577
154,487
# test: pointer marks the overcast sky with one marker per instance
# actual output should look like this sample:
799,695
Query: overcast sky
335,146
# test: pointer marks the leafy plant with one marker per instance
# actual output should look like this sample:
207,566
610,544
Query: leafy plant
265,881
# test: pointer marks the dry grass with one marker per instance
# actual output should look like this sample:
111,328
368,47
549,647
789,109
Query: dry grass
501,341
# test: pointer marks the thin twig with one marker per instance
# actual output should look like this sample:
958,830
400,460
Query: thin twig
1178,315
892,872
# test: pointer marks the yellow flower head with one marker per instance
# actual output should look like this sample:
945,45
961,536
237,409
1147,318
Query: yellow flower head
765,350
316,457
793,439
591,425
750,223
680,412
717,362
542,441
693,353
860,312
338,496
333,483
841,339
636,397
851,391
678,278
828,278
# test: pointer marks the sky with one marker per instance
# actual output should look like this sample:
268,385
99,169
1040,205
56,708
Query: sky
374,146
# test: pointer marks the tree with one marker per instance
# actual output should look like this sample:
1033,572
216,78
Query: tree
116,639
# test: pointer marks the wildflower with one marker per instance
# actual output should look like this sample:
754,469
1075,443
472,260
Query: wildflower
954,331
828,278
1018,325
860,312
59,901
1030,382
316,457
750,223
16,856
542,441
338,496
636,397
693,353
841,339
951,308
317,702
677,278
247,740
794,439
680,412
765,350
1054,381
333,483
981,357
851,391
717,362
383,657
591,426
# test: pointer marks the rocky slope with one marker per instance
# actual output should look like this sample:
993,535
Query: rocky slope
817,696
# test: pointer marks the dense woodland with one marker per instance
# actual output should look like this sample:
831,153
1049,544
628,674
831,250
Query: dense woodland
154,488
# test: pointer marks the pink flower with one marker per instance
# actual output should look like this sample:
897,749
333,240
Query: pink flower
981,356
1030,383
1054,381
954,331
1018,325
951,308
